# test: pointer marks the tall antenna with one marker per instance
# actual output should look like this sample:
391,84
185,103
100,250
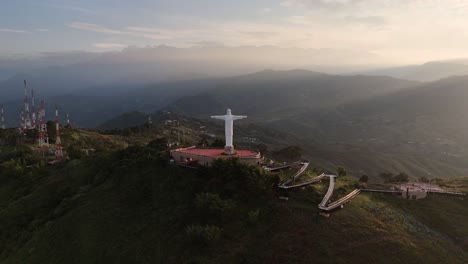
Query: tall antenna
27,120
3,118
40,141
39,127
42,127
45,135
22,123
33,109
58,142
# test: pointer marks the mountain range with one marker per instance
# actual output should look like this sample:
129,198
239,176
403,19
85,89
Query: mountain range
84,72
370,115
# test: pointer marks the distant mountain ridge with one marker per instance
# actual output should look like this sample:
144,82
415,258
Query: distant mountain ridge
427,72
267,92
63,73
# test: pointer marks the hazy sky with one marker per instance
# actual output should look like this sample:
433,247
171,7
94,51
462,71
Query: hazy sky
404,31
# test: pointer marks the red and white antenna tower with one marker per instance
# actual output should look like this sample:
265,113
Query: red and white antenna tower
22,124
58,142
39,126
27,120
43,139
3,118
33,109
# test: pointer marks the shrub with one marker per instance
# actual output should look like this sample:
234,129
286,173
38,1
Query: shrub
253,216
389,177
341,171
159,144
74,151
218,142
230,177
206,235
288,153
213,207
402,177
262,148
364,178
423,179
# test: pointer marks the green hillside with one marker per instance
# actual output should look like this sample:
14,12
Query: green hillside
131,206
368,124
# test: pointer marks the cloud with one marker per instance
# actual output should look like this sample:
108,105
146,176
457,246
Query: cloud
152,33
75,8
210,44
300,20
143,32
93,27
259,34
326,4
9,30
344,22
42,29
265,10
387,28
287,3
366,20
109,45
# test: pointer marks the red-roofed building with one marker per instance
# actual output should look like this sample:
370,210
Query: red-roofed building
204,156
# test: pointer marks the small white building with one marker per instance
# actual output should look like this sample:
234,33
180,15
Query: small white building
412,191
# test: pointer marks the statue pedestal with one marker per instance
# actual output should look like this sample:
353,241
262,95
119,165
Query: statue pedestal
229,150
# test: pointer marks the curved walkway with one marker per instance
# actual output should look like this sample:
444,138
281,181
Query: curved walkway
329,193
304,183
305,164
340,202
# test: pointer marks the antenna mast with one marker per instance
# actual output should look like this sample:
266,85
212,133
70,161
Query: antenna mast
27,120
33,109
22,123
58,142
3,118
43,139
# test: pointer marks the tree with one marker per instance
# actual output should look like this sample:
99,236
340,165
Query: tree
341,171
207,235
203,140
289,153
232,178
401,177
213,207
262,148
364,178
159,144
423,179
74,151
389,177
386,176
218,142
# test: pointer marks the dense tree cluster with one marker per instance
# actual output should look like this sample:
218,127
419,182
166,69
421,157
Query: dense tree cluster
393,178
290,153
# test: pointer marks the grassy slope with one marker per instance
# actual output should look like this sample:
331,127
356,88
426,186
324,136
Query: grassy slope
124,210
142,219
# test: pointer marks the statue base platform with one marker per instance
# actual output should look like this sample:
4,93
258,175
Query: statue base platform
229,150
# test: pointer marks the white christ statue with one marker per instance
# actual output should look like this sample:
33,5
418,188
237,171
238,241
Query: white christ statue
228,127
